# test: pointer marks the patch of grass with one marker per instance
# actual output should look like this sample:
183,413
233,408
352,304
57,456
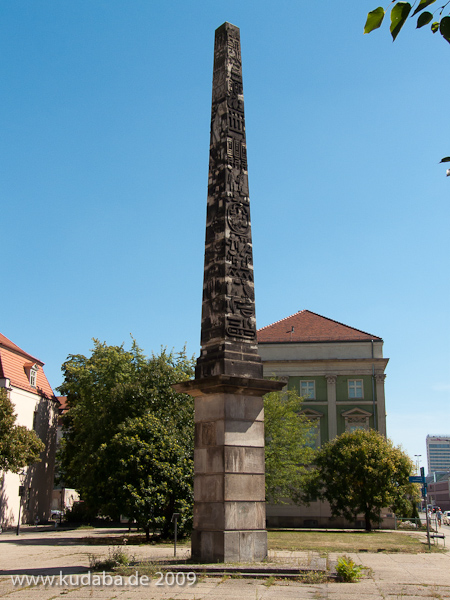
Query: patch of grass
117,557
347,541
142,568
314,577
132,539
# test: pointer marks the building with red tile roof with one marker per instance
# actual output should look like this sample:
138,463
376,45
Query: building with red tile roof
15,364
306,326
35,404
340,372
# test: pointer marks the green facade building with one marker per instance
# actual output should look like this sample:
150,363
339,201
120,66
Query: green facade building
340,371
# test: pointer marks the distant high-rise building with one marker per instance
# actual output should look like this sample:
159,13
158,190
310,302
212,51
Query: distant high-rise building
438,453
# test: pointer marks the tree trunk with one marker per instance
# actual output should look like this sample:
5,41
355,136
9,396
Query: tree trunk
368,523
147,533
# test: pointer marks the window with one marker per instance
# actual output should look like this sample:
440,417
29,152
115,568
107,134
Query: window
356,419
31,371
315,434
314,416
308,389
354,423
355,388
33,377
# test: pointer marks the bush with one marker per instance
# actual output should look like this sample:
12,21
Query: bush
348,570
80,513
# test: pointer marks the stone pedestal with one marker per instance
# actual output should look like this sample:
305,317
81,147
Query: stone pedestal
229,546
229,486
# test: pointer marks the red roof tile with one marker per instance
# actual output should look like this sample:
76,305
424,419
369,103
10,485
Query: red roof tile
13,361
62,404
4,341
306,326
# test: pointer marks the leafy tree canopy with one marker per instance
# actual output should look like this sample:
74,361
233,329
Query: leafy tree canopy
113,398
402,10
361,472
289,440
128,436
19,446
151,471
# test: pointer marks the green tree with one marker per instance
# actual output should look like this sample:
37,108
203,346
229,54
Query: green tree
108,394
289,438
361,472
19,446
402,10
150,473
406,507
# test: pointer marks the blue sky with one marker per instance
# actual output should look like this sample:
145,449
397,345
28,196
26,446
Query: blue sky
104,141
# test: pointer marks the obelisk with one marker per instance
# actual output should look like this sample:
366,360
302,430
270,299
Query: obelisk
229,488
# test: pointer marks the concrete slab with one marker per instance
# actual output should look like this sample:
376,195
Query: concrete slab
390,576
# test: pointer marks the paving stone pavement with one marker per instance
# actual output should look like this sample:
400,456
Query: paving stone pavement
65,555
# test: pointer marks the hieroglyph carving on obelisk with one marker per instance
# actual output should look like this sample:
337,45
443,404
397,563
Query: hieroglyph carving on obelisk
228,309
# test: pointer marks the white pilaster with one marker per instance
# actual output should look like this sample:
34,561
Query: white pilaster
331,398
381,402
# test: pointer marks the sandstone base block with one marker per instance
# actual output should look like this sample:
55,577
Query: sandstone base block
229,490
229,546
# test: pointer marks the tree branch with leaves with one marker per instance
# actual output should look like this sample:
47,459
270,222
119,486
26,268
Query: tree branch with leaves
402,10
400,13
289,437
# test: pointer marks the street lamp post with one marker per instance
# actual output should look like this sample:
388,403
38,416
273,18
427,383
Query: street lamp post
22,476
174,520
417,456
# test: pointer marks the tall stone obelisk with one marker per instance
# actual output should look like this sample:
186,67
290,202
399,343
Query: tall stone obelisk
229,488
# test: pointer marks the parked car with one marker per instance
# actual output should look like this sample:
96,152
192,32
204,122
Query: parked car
56,514
446,517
